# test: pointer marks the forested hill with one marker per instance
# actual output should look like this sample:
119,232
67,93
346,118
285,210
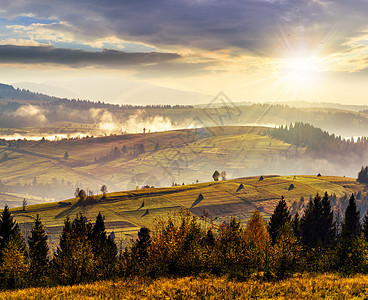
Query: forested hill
18,96
10,93
319,141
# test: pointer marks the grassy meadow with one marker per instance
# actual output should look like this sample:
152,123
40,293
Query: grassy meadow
125,212
323,286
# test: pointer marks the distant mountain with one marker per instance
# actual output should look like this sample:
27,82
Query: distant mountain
8,92
118,91
305,104
222,101
53,91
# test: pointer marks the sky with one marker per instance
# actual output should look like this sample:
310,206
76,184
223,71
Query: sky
252,50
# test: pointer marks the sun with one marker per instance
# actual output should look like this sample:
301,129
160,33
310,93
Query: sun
301,76
301,70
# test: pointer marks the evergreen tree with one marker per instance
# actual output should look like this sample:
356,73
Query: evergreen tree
104,248
74,258
328,229
13,254
38,252
351,225
286,253
365,225
14,265
296,225
363,175
9,229
279,218
143,242
311,223
140,251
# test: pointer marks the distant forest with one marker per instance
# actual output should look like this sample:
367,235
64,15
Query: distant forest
339,122
8,92
316,140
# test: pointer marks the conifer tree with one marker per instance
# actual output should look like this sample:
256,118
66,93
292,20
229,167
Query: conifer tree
13,255
328,228
295,223
38,252
311,223
279,218
9,229
365,225
14,265
143,242
286,253
351,225
74,258
104,248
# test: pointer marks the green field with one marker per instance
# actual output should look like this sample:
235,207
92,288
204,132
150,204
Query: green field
325,286
125,212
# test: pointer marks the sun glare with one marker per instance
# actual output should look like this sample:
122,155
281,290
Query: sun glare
301,70
301,76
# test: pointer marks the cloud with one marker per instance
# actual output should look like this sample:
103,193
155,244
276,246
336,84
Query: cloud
79,58
188,29
254,26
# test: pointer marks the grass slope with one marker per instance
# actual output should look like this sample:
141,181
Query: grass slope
125,212
327,286
182,156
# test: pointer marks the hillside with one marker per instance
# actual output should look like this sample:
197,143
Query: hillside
48,114
8,92
122,162
45,171
125,212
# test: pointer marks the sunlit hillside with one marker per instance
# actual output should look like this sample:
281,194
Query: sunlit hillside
43,169
125,212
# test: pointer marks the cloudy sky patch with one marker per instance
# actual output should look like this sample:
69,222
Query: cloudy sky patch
184,40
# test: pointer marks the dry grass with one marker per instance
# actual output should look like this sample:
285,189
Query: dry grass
327,286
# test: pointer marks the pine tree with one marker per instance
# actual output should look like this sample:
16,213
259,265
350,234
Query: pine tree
365,225
351,225
104,248
286,253
142,243
311,223
14,265
13,254
295,223
74,261
328,228
9,229
279,218
38,252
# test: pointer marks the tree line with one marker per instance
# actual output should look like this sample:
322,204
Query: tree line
314,242
85,253
317,140
184,244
